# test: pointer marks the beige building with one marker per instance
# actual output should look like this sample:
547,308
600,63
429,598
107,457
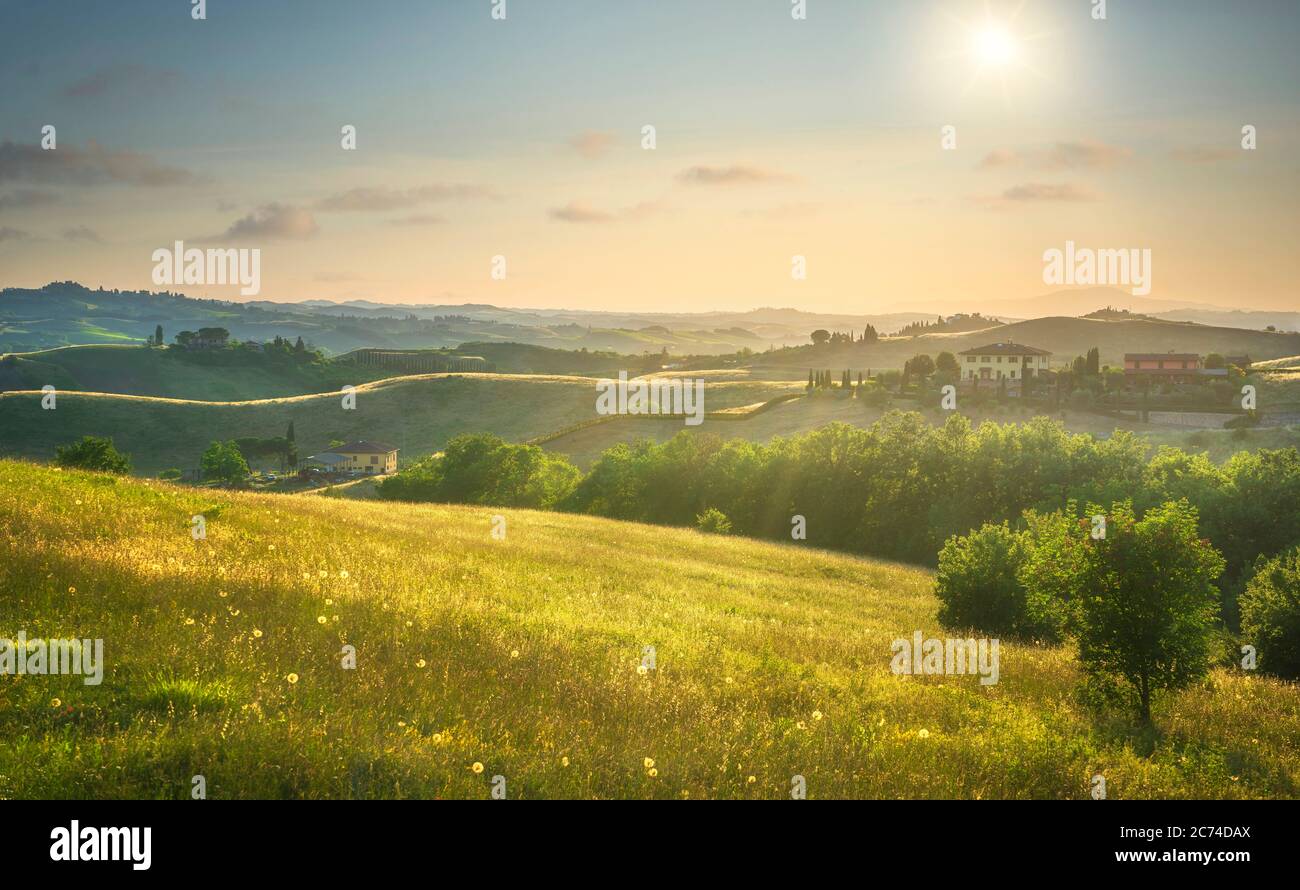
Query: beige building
367,457
1002,361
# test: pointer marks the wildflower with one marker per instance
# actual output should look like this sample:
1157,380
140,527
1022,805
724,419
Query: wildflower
222,594
564,761
54,703
292,678
514,653
642,669
420,663
329,602
256,633
923,734
649,762
72,590
817,715
751,780
189,620
477,767
728,681
321,619
652,772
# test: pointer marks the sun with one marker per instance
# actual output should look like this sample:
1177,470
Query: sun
993,45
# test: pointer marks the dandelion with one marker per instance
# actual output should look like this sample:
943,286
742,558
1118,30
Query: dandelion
649,763
257,634
270,546
292,678
306,576
329,602
437,738
642,669
73,589
477,767
817,715
54,703
751,780
420,663
401,722
514,653
923,734
222,594
410,624
321,619
728,681
189,620
564,761
652,772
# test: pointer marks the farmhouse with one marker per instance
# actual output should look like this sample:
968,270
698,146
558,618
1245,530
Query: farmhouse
1012,362
1179,367
367,457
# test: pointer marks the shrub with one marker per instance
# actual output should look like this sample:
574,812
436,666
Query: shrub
93,453
979,586
1270,615
713,521
170,475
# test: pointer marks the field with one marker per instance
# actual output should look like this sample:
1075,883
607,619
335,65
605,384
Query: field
173,374
518,658
417,413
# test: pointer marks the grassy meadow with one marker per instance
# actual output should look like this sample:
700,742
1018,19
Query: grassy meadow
417,413
519,657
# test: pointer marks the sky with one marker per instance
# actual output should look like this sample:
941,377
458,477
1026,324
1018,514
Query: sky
776,137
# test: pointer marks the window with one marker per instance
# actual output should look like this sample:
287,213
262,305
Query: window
970,358
374,459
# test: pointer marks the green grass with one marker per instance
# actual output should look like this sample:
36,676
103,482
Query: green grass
521,655
175,374
419,414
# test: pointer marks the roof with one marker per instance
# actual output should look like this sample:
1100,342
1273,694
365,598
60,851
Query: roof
1005,349
1161,356
328,458
361,446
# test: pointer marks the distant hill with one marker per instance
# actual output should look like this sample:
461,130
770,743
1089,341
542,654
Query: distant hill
1063,337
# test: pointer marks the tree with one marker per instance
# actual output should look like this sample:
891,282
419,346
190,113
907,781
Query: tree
978,585
1092,363
93,453
811,382
713,521
1141,600
1270,615
223,462
946,363
820,336
158,335
299,347
1214,361
920,365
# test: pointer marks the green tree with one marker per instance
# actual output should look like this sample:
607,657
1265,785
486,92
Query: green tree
979,587
223,462
713,521
1270,615
93,453
1141,600
158,335
820,336
1215,361
946,363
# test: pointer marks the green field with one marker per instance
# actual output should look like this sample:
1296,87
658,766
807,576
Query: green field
521,655
228,375
417,413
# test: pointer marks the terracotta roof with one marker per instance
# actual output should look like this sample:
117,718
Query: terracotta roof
1161,356
1005,349
361,446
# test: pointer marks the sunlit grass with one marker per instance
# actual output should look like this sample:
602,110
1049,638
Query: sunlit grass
223,659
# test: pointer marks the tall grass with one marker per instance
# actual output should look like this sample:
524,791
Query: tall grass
223,659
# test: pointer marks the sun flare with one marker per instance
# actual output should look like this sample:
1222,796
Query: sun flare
993,45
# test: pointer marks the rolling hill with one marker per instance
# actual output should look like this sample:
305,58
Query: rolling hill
417,413
519,658
1063,337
